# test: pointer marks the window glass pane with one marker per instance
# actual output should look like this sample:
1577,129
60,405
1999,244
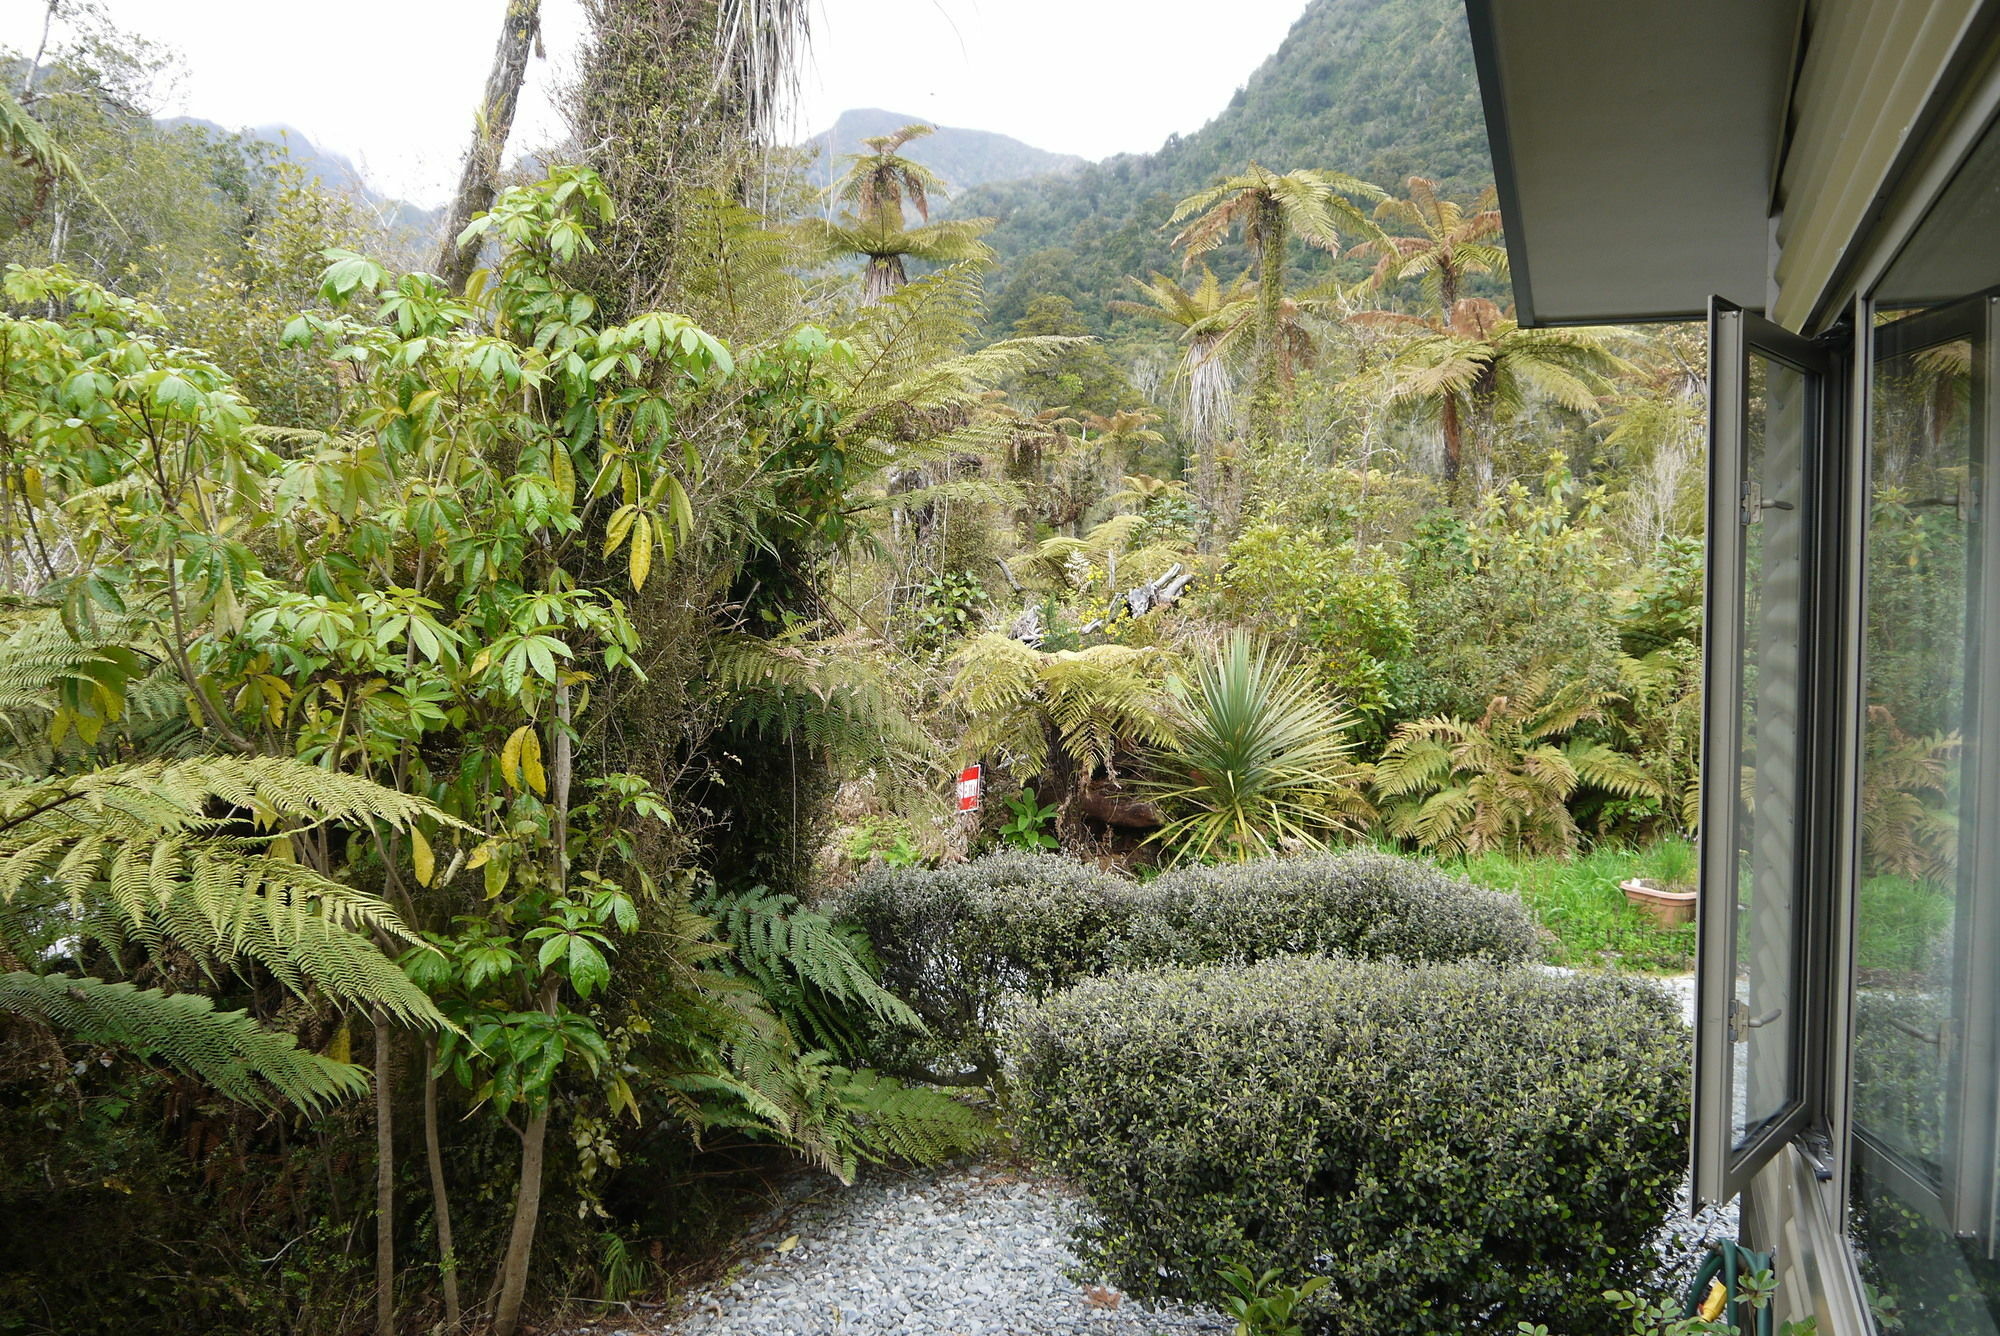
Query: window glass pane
1774,428
1908,1009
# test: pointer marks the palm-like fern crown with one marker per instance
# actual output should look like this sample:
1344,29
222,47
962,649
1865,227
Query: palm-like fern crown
1451,241
1481,356
1315,206
878,184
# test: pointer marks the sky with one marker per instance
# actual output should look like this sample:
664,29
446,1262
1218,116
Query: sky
392,83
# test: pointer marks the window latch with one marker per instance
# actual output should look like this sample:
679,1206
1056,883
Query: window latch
1741,1022
1944,1038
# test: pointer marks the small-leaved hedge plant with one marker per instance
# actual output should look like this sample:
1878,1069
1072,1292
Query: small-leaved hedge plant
1362,903
959,942
1457,1147
956,942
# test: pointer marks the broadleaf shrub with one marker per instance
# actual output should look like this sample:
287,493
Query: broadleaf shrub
1365,904
958,942
1458,1147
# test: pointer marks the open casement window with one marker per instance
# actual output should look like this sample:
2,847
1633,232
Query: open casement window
1774,423
1927,875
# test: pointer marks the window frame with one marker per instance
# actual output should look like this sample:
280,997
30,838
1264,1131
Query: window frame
1723,1168
1963,1201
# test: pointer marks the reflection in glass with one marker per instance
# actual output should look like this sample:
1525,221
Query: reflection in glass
1922,532
1773,497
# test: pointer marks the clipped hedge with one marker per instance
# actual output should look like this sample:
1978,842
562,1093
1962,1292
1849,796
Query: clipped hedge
1362,903
957,942
1458,1147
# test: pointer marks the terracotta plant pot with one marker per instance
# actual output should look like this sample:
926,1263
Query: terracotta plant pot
1667,909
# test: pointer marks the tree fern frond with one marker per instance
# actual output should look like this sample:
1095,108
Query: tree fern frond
224,1048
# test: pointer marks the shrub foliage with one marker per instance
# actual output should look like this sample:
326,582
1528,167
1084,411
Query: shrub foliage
1456,1147
1361,903
959,942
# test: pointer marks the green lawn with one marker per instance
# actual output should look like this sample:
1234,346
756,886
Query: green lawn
1580,903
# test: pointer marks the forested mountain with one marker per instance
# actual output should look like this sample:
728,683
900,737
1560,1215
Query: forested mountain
964,158
1378,89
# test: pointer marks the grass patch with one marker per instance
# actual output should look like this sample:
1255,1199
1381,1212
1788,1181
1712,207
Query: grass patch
1578,900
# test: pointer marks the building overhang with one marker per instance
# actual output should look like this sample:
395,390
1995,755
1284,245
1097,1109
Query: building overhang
1636,148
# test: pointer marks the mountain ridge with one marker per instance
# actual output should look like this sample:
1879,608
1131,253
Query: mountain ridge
1378,89
963,157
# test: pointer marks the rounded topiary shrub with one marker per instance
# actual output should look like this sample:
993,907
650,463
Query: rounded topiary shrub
1361,903
1458,1147
957,942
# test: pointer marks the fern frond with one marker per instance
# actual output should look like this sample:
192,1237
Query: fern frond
224,1048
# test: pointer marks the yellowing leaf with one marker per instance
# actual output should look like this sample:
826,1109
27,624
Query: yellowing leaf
619,525
642,551
510,754
422,858
479,855
531,761
281,849
677,500
789,1244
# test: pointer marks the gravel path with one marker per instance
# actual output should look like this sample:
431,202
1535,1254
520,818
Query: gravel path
979,1251
972,1251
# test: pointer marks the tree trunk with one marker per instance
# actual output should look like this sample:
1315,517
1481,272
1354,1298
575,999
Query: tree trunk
528,1196
491,125
385,1179
440,1199
1454,445
521,1239
1265,402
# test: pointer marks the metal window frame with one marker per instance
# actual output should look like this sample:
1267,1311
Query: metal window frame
1967,1198
1723,1168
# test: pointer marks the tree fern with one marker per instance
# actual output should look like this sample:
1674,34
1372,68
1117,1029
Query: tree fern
807,968
224,1048
133,855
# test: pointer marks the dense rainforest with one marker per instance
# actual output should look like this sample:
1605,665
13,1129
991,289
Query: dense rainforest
482,711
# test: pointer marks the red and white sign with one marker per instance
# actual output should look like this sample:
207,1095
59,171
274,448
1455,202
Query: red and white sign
969,785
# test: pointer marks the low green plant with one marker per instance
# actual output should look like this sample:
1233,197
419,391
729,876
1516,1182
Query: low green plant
1505,780
1657,1316
1359,903
883,840
1262,1305
1028,828
962,943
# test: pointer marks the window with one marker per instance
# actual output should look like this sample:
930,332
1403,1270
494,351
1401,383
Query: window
1921,1192
1765,776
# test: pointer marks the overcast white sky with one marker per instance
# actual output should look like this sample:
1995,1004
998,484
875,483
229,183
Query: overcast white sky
392,83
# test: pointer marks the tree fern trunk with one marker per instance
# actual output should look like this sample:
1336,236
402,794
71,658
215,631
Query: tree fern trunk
385,1179
440,1198
1454,445
1265,405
